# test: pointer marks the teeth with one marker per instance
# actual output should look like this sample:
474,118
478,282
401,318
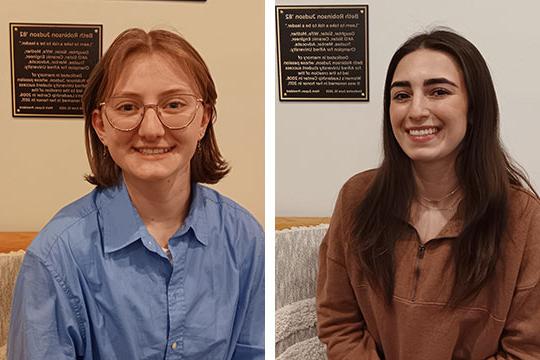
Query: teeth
423,132
153,151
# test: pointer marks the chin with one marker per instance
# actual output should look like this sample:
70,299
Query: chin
425,157
155,171
151,176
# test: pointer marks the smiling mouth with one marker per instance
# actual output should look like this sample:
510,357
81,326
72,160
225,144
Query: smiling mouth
423,131
154,151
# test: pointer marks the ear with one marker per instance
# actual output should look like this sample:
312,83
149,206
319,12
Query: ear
99,126
206,118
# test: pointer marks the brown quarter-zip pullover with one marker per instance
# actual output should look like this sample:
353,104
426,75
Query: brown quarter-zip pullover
502,322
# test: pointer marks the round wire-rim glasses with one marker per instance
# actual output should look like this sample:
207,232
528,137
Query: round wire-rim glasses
141,110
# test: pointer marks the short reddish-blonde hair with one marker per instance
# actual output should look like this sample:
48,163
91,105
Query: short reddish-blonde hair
207,164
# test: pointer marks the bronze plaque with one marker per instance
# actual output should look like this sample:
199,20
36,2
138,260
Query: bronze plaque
50,64
323,52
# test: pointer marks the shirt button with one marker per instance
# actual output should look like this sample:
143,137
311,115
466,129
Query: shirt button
173,345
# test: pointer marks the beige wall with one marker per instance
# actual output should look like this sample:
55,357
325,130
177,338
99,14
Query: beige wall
43,160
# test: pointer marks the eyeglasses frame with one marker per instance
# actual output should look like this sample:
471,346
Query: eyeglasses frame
158,113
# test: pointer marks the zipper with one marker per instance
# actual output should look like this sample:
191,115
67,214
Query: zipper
419,256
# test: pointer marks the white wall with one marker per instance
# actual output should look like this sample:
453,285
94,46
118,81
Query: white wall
43,161
321,144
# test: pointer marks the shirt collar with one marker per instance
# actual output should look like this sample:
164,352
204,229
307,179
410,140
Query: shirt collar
122,225
197,218
451,229
454,226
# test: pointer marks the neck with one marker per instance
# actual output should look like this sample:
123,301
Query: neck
165,202
435,181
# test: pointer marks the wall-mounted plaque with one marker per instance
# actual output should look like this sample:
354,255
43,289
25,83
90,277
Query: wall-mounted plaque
323,52
50,64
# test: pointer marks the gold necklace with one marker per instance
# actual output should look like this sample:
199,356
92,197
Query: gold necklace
451,207
441,199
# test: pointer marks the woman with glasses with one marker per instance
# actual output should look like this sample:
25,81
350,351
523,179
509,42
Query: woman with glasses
151,264
435,254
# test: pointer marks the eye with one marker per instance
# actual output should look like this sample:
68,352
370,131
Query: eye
126,106
174,104
400,96
440,92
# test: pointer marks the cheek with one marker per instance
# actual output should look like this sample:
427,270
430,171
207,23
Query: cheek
120,140
464,121
395,118
188,139
462,130
457,116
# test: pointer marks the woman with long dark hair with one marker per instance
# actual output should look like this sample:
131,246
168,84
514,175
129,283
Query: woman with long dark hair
433,254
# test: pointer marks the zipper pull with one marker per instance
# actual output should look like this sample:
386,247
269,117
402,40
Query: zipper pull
421,251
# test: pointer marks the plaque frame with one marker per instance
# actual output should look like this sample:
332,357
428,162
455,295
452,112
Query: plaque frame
363,7
12,26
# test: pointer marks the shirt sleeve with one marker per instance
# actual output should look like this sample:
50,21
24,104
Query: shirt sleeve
521,335
43,322
250,343
340,323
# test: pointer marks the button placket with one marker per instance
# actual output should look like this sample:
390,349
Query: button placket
176,300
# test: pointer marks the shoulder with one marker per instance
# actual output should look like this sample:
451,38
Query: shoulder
355,188
521,198
524,233
227,209
63,230
339,234
524,209
228,220
361,178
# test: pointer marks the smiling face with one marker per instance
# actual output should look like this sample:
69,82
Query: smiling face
151,152
428,107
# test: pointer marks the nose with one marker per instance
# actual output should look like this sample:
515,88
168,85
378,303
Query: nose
419,108
151,127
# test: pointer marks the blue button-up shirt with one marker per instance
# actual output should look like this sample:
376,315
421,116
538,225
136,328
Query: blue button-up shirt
95,284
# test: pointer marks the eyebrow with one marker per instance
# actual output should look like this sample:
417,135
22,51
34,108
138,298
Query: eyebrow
179,90
427,82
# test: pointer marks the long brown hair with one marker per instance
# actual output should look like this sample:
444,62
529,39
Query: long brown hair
483,168
207,164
